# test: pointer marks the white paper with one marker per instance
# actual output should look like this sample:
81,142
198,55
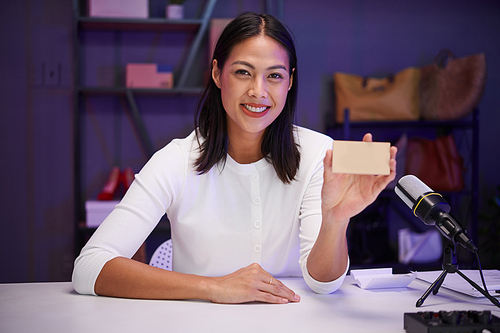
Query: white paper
454,281
381,278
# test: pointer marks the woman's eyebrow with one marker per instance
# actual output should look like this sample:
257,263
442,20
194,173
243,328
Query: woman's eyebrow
244,63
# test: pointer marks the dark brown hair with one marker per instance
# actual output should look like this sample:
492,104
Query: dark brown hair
278,145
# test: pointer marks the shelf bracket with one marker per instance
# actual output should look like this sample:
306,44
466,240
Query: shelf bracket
139,125
195,46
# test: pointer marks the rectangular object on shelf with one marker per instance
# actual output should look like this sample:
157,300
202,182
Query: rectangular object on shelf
118,8
149,76
97,211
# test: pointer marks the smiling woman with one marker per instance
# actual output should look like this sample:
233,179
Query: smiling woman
254,84
250,197
255,60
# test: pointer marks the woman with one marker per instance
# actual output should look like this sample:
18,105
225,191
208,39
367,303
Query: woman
250,197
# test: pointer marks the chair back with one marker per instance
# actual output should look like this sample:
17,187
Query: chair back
162,257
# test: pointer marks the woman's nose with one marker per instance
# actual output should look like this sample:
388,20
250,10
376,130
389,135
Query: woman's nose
258,88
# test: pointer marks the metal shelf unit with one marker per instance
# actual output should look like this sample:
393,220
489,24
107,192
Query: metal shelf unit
468,127
82,24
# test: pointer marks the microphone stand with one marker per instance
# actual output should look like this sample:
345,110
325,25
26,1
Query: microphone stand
450,266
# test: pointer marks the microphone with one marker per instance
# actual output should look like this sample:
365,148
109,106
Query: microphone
432,209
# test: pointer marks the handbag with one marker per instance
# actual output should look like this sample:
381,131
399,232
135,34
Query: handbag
395,97
451,87
437,163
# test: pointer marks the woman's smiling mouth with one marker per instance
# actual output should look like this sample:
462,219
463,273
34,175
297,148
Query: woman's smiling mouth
255,111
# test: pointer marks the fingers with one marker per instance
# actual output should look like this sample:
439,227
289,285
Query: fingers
327,164
249,284
368,137
279,291
394,151
392,161
276,293
327,161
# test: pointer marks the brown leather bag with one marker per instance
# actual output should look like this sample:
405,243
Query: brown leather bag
436,162
451,87
395,97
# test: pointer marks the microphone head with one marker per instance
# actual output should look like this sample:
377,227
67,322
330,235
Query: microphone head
409,188
432,209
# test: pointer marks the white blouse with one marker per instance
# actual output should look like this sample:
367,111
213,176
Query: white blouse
221,221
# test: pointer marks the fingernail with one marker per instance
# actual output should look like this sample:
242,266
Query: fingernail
284,300
296,297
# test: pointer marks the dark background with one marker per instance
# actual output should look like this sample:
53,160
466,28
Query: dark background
36,111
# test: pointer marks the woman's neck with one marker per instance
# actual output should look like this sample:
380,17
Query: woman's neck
245,148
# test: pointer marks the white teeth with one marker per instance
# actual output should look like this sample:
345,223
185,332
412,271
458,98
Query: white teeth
253,109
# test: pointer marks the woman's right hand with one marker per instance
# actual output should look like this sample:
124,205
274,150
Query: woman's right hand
123,277
249,284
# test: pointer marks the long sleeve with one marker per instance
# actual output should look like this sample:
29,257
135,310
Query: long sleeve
133,219
310,207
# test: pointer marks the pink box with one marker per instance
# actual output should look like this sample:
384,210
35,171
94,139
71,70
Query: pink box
149,76
118,8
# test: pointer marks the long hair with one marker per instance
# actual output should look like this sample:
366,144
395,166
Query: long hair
278,145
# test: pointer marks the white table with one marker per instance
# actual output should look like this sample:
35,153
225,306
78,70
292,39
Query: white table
55,307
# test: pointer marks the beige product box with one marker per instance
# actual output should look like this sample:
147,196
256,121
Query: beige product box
359,157
97,211
118,8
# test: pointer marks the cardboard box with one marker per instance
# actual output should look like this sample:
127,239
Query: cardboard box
359,157
149,76
97,211
118,8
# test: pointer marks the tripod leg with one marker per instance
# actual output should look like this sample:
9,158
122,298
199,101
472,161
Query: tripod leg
481,290
438,281
438,285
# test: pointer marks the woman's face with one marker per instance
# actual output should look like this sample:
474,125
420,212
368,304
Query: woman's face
254,84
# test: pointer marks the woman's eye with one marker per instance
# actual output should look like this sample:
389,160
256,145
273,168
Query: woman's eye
276,76
242,72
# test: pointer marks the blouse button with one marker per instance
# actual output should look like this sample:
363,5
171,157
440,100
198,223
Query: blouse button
257,224
257,248
256,201
255,177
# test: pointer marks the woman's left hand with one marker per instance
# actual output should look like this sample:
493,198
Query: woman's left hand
346,195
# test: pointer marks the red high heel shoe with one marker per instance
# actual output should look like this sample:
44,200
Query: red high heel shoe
127,177
109,189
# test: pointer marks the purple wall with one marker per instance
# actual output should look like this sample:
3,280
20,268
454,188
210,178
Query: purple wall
36,143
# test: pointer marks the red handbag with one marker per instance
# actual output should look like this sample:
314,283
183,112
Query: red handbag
436,162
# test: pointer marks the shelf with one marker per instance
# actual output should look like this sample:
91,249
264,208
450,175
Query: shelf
123,91
88,29
468,126
149,24
464,122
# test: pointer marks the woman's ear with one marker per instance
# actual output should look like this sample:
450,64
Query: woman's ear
291,79
216,73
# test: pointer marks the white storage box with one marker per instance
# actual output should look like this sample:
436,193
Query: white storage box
97,211
118,8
